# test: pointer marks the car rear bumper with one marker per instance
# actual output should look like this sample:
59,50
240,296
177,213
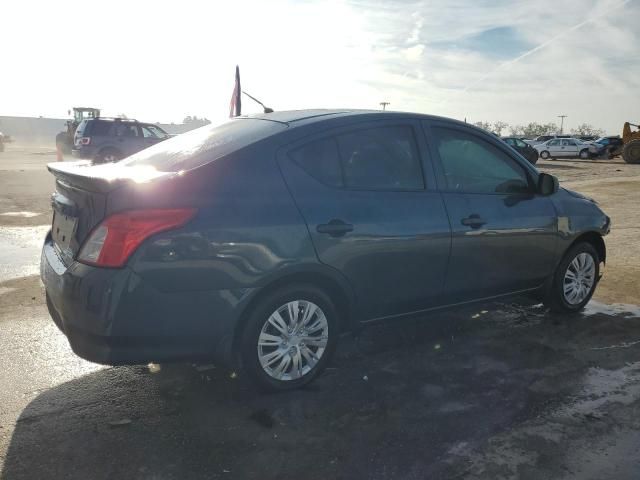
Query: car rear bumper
84,153
111,316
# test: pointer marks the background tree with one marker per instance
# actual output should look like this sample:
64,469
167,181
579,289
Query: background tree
587,129
498,126
195,122
535,129
483,125
516,130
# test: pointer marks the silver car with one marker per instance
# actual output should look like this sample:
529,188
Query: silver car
566,147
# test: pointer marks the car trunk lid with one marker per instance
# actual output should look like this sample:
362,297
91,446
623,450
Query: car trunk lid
80,200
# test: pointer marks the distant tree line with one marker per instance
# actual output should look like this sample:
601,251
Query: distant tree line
535,129
195,121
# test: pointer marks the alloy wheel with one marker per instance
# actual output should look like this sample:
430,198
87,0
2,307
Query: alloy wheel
292,340
579,279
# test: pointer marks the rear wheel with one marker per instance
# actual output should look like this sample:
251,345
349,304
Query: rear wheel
289,337
108,155
544,154
631,152
575,279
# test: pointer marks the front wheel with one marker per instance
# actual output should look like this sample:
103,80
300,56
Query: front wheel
544,154
575,279
289,337
584,154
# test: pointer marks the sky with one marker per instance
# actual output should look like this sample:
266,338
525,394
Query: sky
484,60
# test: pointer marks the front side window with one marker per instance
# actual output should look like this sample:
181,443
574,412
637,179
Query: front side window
520,143
553,143
151,131
473,165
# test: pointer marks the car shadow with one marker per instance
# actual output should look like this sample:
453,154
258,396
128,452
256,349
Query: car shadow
399,400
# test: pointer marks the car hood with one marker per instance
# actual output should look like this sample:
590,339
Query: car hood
579,195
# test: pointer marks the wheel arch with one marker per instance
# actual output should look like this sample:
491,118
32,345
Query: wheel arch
337,289
108,147
595,239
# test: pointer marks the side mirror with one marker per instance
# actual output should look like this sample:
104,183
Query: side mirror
547,184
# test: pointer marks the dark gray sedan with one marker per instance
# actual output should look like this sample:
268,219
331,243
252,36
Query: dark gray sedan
258,241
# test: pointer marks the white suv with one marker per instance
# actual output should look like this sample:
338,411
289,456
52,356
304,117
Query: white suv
566,147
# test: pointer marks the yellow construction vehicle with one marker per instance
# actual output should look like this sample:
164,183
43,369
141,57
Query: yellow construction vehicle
631,140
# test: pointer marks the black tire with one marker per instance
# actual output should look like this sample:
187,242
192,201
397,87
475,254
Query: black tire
584,154
555,298
631,151
259,317
108,155
544,154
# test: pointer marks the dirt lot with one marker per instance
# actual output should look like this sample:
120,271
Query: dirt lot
503,390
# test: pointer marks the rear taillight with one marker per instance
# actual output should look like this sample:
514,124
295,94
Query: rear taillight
113,241
85,140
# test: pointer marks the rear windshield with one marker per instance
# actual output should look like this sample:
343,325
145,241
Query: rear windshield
203,145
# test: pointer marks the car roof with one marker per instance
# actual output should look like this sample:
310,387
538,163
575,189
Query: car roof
297,118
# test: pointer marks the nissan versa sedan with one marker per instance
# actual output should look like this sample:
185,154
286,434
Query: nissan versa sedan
257,242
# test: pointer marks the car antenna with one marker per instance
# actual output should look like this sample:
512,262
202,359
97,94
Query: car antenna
266,109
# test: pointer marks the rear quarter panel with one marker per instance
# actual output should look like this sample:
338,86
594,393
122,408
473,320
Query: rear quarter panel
246,232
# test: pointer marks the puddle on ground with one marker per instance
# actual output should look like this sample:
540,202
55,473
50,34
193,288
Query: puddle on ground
613,310
20,251
24,214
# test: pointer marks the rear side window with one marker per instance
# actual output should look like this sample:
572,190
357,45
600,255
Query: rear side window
384,158
205,144
381,159
126,130
320,159
100,128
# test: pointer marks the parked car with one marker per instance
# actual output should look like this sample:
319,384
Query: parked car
111,139
545,138
566,147
587,138
523,148
609,146
256,242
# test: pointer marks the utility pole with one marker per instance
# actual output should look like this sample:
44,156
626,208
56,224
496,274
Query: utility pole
384,105
561,117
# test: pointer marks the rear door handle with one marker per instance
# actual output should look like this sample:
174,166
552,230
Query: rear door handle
335,228
473,221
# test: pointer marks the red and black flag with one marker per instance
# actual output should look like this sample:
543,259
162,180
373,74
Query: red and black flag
235,106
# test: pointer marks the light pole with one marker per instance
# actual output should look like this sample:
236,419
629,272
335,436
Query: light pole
384,105
561,117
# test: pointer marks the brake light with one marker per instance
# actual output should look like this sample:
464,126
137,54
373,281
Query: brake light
116,238
85,140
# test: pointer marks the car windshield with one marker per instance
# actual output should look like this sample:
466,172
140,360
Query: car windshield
203,145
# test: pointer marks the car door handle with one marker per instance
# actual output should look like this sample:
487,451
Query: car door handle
473,221
335,228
